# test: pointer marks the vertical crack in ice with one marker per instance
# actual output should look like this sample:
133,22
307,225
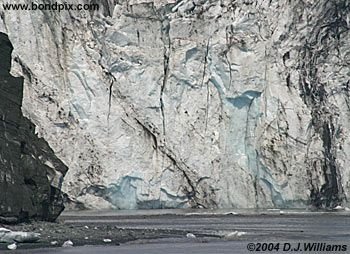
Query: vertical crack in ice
166,41
207,108
207,83
256,180
230,70
229,44
111,79
205,61
110,98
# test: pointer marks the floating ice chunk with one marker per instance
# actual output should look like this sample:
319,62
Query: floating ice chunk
190,236
241,233
8,236
107,240
338,207
54,243
12,246
68,243
231,235
231,213
4,230
234,235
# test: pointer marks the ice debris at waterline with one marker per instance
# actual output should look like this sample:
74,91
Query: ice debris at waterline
68,243
12,246
190,236
234,235
8,236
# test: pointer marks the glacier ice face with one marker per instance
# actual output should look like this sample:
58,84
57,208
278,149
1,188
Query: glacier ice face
158,104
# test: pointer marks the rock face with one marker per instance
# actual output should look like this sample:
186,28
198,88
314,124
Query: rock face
31,175
158,104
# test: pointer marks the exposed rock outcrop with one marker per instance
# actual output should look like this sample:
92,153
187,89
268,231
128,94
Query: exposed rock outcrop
156,104
30,174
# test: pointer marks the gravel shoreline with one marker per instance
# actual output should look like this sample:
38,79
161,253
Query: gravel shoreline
86,234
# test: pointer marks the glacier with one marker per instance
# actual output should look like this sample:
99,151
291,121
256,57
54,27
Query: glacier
184,104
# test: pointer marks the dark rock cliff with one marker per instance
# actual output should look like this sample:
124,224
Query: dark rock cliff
30,173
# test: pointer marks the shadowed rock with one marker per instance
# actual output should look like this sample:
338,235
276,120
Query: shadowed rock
29,188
